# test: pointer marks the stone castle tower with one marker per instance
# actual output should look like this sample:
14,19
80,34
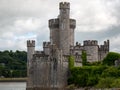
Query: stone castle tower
62,29
48,69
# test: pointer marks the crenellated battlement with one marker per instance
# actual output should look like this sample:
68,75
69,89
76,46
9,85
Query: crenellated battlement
54,23
106,42
105,46
78,44
46,44
65,5
30,43
39,52
90,43
72,23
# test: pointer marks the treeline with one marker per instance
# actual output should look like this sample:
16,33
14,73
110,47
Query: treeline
13,64
102,74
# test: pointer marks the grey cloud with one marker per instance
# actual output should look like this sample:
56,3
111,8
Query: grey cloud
12,11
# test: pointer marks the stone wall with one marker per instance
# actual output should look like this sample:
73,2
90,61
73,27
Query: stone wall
92,53
48,71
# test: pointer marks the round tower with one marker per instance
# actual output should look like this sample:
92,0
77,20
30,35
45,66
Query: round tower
62,29
91,48
54,31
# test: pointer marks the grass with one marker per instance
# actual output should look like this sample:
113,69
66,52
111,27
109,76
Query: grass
13,79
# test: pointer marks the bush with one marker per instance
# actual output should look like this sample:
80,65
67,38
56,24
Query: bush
105,83
110,58
111,72
81,80
116,83
92,80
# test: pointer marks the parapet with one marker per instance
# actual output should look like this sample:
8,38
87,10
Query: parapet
30,43
78,44
106,42
46,44
72,23
54,23
90,43
64,5
105,46
39,52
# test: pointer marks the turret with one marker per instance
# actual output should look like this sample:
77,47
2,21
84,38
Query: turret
103,50
105,46
64,9
64,5
90,43
62,29
64,15
46,47
91,47
30,51
54,31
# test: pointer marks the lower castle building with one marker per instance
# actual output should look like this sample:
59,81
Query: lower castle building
48,69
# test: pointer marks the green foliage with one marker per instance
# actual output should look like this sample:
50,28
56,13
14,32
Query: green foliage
92,80
95,76
100,74
84,58
116,83
85,76
111,72
71,62
81,80
97,63
105,83
13,61
109,82
110,58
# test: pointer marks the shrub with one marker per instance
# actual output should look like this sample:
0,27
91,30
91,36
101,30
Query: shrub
110,58
111,72
116,83
105,83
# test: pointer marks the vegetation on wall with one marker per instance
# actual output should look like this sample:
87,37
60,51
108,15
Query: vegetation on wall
84,58
13,64
98,75
71,62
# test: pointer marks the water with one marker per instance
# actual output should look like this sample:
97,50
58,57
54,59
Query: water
12,85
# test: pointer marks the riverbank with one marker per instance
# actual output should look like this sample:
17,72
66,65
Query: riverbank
13,79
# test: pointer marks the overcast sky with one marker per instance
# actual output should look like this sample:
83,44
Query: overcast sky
21,20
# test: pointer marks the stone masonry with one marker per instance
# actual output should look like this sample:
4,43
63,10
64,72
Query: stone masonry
48,69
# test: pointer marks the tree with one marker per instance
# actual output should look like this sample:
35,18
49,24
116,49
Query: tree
110,58
13,61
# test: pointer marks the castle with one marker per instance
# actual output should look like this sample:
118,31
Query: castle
48,69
